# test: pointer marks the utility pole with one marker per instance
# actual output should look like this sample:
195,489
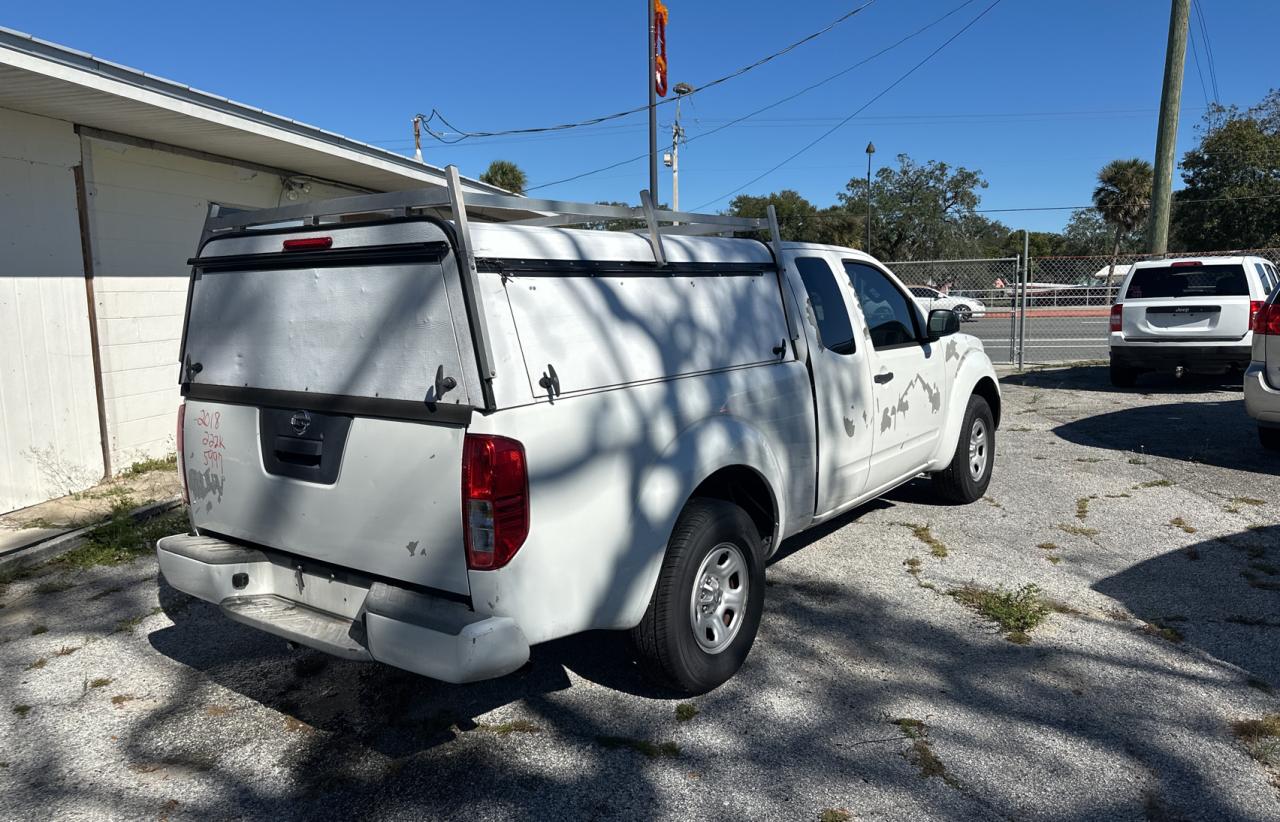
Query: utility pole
1167,133
653,105
871,149
677,137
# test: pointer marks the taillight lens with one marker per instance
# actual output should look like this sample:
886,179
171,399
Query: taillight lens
308,244
1117,316
1255,311
1266,319
495,500
182,456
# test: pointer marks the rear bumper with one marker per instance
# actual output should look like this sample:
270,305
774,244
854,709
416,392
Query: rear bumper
1261,401
344,614
1165,356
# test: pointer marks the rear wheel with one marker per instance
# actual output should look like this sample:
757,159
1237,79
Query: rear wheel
1269,437
1123,376
963,312
705,609
967,477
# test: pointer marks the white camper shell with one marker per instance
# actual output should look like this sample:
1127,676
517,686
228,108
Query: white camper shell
412,437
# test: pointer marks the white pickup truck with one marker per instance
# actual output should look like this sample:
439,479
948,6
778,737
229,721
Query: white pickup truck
434,443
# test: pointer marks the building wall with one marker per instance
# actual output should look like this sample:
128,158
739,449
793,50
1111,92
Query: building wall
147,207
49,443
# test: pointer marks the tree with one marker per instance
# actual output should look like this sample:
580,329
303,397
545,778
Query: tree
507,175
1123,198
1087,234
1232,195
798,219
922,212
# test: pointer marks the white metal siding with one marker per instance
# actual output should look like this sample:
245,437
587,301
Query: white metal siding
49,443
147,207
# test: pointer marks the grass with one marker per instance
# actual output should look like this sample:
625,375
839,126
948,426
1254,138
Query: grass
1089,459
1017,612
923,533
686,711
515,726
1179,522
101,682
1121,495
1054,558
38,630
1260,737
1048,546
1247,501
1165,632
1160,483
66,650
835,815
649,749
1082,508
1137,461
1078,530
22,710
913,567
38,664
120,699
921,753
122,538
146,466
127,625
54,586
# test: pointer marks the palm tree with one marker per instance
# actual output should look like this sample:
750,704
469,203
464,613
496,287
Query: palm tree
1123,198
506,174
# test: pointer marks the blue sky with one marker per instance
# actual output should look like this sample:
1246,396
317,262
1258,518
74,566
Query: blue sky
1037,95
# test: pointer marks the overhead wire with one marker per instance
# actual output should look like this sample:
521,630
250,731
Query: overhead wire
1208,50
900,79
443,136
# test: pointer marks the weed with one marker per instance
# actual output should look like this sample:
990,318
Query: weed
22,710
153,464
1260,737
1137,461
127,625
649,749
53,586
515,726
835,815
1016,612
1179,522
38,630
921,753
1247,501
1160,483
38,664
106,593
1121,495
993,503
922,532
120,699
1082,508
1164,632
1118,614
122,538
686,711
1078,530
913,565
1089,459
66,650
1055,559
1019,429
101,682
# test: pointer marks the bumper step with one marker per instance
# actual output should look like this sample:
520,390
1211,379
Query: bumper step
306,626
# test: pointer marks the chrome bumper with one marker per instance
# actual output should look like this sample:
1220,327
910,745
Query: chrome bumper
343,613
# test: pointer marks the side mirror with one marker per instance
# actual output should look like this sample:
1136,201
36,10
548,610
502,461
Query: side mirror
942,321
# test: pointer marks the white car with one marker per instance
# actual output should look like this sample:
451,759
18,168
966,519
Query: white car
1262,377
1190,314
434,444
966,308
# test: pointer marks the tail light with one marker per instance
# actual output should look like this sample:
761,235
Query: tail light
1266,320
1117,317
495,500
308,244
182,455
1255,313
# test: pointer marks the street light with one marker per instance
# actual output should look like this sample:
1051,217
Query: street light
871,149
672,159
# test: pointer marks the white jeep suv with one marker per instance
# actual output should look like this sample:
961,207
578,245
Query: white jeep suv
1189,314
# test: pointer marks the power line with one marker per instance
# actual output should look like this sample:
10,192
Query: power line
861,108
774,104
1176,202
465,135
1195,58
1208,50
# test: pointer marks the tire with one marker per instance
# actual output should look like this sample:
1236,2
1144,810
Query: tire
963,313
958,482
1123,376
1269,437
714,547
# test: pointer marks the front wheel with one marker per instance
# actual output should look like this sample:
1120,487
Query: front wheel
963,312
705,609
966,479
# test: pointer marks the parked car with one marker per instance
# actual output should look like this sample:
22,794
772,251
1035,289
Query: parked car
1262,378
1191,314
434,444
966,308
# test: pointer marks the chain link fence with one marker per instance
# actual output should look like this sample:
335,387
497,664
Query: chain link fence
1055,311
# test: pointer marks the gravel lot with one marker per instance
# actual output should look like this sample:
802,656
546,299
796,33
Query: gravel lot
1162,512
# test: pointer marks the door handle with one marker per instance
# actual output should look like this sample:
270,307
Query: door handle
883,377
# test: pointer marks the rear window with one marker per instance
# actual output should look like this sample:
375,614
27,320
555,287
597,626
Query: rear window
1171,282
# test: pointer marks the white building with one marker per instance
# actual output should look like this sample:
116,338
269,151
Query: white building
106,174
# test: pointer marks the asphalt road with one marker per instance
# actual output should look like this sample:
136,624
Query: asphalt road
1047,339
1150,517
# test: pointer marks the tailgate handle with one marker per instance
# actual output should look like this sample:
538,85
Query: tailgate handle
299,451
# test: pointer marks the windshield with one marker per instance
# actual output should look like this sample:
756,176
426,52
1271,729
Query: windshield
1174,281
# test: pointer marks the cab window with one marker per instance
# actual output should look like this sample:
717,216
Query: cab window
888,312
835,331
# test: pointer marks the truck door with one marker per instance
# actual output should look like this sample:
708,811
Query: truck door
841,382
907,372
